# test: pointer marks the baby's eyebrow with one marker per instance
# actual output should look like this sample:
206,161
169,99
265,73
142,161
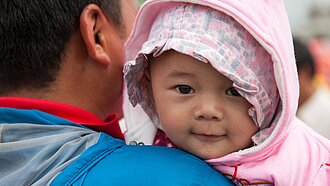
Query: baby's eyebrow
181,74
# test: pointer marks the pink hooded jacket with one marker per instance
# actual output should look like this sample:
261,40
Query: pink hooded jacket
291,154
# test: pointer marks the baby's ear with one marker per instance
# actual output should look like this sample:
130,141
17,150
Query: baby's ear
146,71
146,74
147,79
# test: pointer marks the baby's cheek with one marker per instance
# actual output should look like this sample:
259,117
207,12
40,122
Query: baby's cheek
170,125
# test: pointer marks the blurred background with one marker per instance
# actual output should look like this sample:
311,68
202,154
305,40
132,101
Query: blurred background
310,23
309,18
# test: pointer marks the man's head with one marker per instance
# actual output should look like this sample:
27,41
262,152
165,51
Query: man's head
47,44
306,70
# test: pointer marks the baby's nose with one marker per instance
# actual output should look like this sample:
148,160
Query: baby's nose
209,109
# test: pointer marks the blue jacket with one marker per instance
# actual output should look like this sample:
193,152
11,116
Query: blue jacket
37,148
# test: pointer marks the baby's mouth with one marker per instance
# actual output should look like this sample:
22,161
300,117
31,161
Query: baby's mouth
209,137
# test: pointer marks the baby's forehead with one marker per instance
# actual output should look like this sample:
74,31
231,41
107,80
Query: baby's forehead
174,65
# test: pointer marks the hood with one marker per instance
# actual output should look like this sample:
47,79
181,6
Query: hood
43,149
267,22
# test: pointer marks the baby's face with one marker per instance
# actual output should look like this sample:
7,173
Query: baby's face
199,109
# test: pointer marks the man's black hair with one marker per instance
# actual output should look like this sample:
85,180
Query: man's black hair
304,58
33,37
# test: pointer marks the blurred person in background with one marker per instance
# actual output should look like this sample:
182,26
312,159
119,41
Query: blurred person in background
314,100
319,48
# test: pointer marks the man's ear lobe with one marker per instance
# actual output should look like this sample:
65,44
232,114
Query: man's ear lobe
92,23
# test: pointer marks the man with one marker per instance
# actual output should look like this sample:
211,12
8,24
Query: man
314,99
60,75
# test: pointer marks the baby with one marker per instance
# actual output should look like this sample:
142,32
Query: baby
211,89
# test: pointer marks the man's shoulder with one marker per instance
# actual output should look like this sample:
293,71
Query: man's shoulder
141,165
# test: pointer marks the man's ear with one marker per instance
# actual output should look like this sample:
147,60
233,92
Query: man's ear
93,27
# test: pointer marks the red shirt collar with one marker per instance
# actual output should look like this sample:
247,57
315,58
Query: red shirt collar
76,115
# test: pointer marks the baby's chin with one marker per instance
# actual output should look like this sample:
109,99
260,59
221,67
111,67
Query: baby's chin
207,155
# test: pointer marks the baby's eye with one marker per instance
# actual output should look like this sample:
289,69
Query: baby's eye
184,89
232,91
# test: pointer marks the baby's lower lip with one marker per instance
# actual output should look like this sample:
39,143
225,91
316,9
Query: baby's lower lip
209,137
